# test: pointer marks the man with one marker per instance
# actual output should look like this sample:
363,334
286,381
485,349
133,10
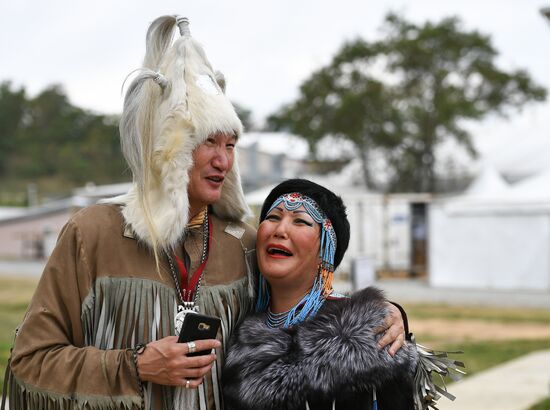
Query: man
99,332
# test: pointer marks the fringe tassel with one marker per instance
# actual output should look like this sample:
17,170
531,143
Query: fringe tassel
122,312
251,269
218,300
24,397
7,382
430,364
185,398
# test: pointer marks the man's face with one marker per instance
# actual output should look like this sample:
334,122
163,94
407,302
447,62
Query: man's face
213,159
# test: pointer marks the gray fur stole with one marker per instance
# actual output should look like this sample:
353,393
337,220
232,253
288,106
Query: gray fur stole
332,358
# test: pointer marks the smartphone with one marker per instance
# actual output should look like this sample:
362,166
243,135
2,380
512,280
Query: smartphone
198,327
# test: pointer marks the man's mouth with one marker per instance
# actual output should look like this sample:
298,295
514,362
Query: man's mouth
278,251
218,179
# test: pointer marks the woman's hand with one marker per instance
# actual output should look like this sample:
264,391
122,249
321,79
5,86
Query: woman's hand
393,329
165,362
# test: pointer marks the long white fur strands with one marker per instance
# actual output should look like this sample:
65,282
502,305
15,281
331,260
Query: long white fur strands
164,120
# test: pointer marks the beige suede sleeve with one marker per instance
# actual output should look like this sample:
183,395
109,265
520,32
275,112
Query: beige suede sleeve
49,355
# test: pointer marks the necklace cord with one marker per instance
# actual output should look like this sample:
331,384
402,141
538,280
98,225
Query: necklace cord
186,288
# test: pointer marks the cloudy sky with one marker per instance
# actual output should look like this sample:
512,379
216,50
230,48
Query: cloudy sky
265,48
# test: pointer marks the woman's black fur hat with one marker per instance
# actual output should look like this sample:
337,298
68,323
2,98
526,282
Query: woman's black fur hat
331,204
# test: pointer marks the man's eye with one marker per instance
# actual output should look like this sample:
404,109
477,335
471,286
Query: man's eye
230,146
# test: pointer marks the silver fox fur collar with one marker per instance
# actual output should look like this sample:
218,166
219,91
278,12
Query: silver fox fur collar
331,357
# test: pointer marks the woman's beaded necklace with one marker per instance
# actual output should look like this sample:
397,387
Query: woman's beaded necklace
306,307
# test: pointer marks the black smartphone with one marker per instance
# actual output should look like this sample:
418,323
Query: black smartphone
198,327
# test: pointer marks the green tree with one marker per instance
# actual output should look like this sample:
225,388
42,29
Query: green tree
406,94
51,139
245,115
12,111
52,124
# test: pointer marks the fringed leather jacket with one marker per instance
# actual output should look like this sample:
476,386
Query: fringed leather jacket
99,296
329,360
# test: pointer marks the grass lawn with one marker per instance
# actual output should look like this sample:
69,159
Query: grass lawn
489,314
543,405
15,295
479,355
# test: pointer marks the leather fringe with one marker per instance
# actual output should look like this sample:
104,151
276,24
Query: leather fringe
122,312
434,364
23,397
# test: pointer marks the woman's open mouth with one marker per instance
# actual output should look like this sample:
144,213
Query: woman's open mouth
278,251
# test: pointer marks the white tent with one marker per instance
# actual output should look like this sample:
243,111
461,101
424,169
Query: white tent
489,183
494,236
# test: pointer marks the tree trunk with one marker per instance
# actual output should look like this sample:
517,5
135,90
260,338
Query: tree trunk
367,175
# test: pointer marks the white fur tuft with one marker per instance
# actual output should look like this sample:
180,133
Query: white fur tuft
162,126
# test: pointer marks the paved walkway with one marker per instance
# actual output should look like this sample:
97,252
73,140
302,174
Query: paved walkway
515,385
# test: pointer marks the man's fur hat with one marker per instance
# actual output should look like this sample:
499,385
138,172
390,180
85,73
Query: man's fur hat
175,102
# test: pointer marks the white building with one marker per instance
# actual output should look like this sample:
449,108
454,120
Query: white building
495,236
267,158
388,232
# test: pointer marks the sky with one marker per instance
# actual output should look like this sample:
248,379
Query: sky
264,48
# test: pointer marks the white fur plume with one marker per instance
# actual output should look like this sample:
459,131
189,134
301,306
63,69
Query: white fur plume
160,127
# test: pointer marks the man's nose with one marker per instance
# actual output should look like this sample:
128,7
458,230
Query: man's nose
221,160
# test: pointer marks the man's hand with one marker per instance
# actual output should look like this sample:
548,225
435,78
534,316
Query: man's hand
165,362
393,329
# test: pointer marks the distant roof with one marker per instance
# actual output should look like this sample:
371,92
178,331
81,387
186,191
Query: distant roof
535,187
489,196
526,157
91,190
488,183
276,143
8,212
257,197
52,207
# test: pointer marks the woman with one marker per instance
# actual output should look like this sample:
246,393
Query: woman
308,347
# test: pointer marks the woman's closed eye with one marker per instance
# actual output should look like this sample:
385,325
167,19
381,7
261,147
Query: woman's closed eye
303,222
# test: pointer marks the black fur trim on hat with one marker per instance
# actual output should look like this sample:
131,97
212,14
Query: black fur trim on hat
331,204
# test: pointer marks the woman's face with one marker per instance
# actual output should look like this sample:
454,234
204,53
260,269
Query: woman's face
287,247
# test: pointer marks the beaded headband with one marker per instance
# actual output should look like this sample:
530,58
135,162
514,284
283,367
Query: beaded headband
295,200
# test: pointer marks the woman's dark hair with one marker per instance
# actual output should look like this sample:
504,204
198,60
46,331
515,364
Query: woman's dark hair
331,204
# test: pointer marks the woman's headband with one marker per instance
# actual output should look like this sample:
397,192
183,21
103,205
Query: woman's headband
295,200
